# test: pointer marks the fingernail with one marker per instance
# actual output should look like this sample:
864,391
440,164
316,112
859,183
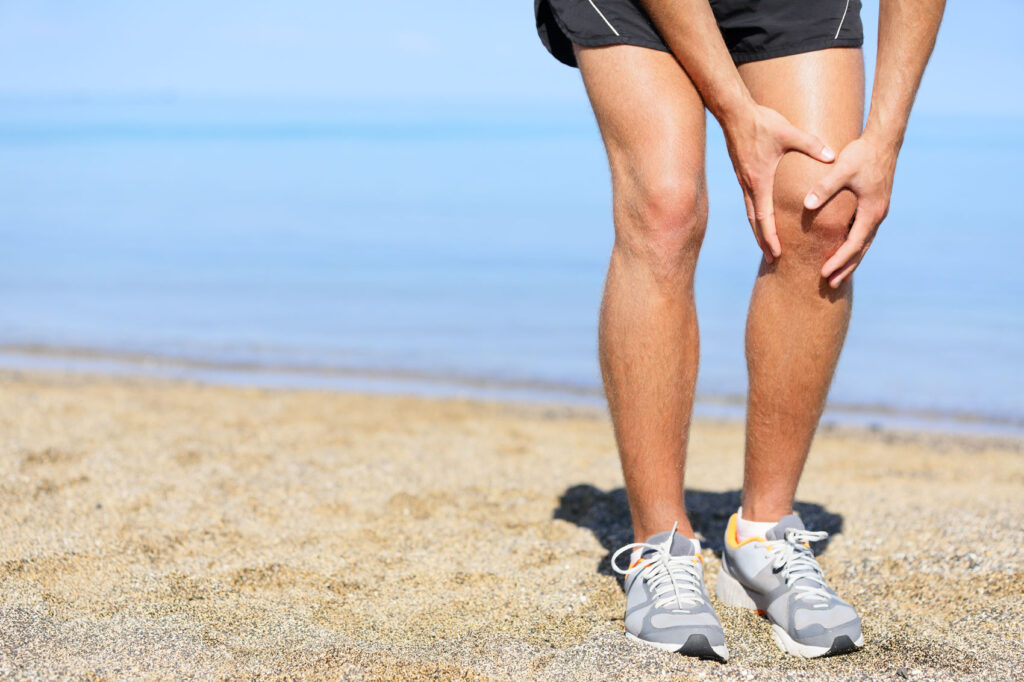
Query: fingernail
811,200
828,154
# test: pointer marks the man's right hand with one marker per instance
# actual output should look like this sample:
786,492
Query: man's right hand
757,138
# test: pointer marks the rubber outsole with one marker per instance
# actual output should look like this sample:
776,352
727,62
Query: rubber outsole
697,646
843,644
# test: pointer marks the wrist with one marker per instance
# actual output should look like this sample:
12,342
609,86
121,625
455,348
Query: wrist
884,134
731,105
884,149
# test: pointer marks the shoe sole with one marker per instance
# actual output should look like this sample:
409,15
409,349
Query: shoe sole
730,592
697,646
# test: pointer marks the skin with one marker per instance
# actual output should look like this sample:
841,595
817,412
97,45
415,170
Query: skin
757,136
650,112
652,121
906,37
796,324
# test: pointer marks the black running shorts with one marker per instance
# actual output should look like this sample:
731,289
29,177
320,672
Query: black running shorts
752,29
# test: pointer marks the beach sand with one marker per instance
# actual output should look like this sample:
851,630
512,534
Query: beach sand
162,529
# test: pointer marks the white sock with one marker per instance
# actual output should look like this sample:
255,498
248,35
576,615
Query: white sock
751,529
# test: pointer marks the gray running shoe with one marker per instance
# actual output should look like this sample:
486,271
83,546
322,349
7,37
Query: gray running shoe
778,577
667,604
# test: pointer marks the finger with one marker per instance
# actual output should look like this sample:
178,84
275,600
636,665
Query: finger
811,145
856,242
764,212
825,188
752,219
838,278
844,273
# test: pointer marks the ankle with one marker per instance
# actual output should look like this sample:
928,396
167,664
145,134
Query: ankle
760,512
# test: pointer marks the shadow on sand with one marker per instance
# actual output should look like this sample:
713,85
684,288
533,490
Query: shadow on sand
606,514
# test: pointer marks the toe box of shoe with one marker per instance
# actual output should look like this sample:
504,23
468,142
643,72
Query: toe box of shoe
677,627
822,627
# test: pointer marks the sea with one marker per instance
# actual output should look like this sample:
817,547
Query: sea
459,249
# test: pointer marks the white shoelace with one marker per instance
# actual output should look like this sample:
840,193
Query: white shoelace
798,563
674,580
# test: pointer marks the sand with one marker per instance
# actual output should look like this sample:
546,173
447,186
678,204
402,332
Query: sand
155,529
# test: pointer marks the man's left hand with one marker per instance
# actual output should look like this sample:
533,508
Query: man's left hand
866,168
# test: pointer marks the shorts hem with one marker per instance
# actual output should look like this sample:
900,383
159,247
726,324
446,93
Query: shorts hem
605,41
744,57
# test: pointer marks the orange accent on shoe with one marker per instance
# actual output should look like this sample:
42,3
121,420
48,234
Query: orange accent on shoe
733,538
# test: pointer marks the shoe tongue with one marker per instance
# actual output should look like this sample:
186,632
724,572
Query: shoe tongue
681,546
778,531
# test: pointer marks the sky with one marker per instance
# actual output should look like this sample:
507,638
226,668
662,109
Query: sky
399,50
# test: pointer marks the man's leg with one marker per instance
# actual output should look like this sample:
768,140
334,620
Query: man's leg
797,324
652,122
795,331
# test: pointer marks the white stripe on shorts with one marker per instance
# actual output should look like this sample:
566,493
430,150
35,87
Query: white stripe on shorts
845,10
601,14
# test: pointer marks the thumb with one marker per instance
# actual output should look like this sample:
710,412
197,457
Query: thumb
810,145
825,189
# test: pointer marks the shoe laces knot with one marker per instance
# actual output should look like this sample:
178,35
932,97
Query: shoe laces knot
799,568
674,580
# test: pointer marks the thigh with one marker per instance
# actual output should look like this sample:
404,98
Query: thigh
821,92
650,115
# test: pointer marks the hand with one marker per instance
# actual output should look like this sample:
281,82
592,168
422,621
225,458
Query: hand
757,140
866,168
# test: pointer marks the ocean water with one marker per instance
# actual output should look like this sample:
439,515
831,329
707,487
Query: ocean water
450,248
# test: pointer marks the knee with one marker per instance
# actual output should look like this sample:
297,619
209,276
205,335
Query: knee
661,220
810,237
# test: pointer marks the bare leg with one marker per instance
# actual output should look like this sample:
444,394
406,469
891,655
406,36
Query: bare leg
652,122
797,324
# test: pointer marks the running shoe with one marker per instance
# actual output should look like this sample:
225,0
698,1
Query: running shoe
667,604
778,577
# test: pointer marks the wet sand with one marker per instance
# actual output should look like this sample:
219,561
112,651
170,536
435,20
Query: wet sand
159,529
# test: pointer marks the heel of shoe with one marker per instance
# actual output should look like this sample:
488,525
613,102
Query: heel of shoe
730,592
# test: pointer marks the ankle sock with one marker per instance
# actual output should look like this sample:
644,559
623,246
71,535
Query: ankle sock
751,529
